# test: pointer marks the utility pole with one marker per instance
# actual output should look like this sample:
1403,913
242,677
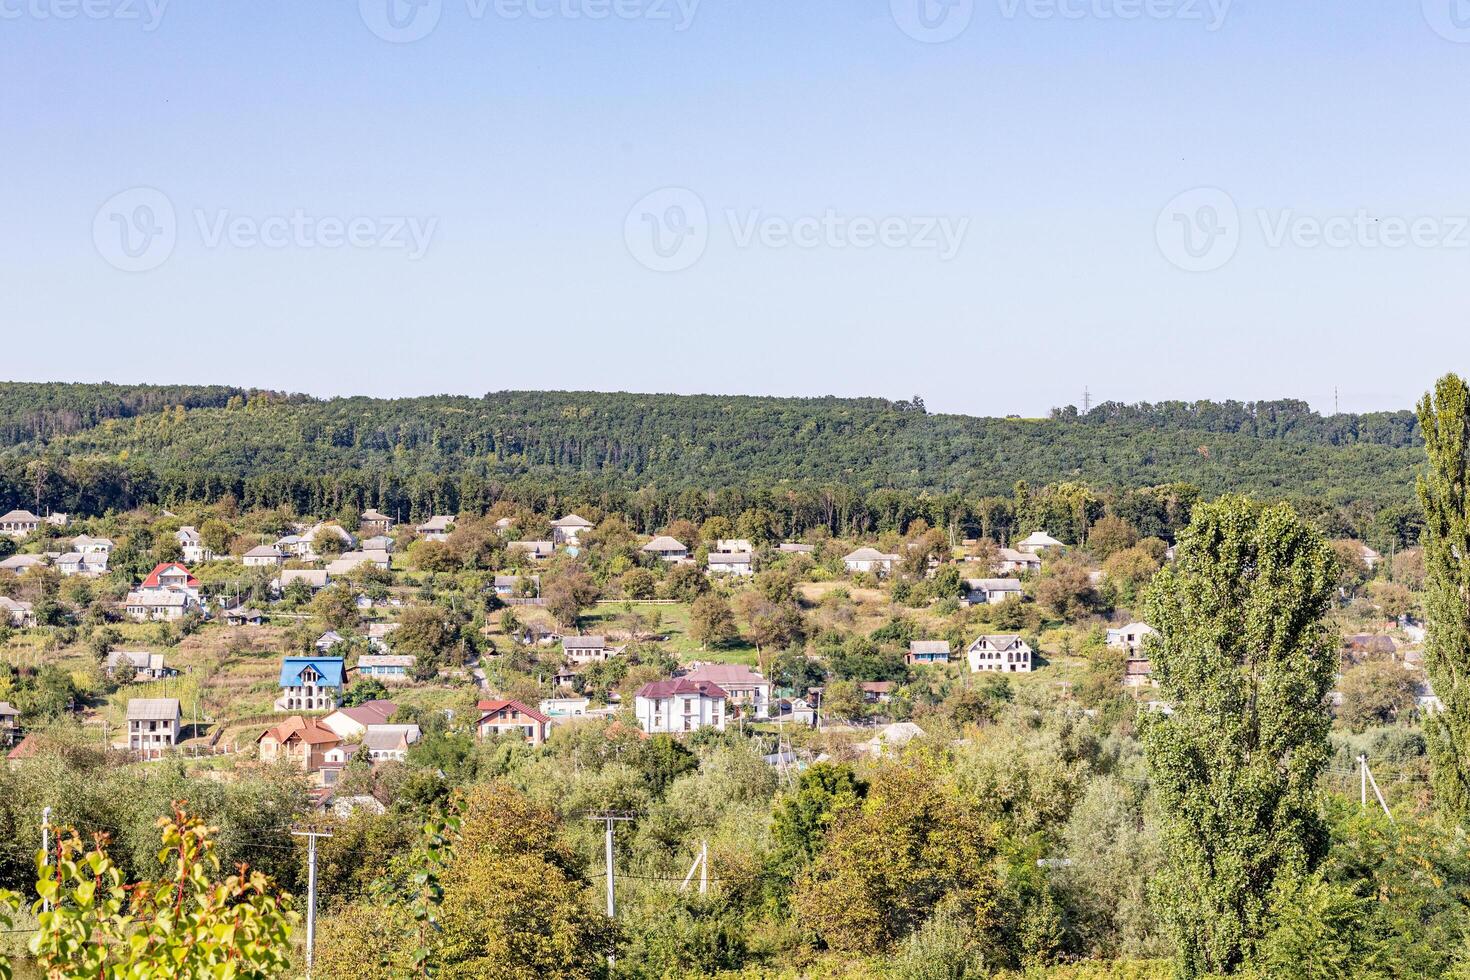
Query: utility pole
311,836
1086,400
46,847
610,817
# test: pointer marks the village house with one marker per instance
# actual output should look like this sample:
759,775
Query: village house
734,545
568,530
436,528
680,705
561,709
374,522
512,718
16,613
171,576
1011,561
9,723
876,692
315,579
318,533
145,666
1130,637
301,742
241,616
869,560
387,667
329,639
152,605
1006,653
666,548
1138,672
390,743
378,634
378,542
730,563
153,724
310,683
513,585
20,564
355,721
990,591
89,564
266,554
537,550
746,689
927,652
85,544
353,560
588,649
19,523
1038,543
192,546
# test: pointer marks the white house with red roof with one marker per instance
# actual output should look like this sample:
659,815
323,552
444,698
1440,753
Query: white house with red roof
512,718
680,705
171,575
170,591
355,721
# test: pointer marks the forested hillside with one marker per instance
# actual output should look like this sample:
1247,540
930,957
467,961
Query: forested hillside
108,447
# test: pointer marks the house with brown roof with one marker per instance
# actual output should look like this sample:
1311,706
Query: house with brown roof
747,690
512,718
355,721
301,742
680,705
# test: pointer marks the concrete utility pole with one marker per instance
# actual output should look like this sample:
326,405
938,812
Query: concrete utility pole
46,847
610,817
311,836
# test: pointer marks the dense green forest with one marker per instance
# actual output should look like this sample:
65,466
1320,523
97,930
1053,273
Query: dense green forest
91,448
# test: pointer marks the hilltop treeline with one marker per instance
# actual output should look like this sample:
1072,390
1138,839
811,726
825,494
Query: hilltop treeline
842,462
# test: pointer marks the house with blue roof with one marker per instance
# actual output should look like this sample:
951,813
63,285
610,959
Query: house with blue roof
311,683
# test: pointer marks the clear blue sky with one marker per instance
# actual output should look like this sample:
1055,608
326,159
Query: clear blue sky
521,144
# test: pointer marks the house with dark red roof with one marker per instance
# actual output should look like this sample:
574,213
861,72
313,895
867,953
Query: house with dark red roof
171,575
512,718
680,705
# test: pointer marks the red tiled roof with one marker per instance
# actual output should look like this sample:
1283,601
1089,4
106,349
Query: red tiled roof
151,582
25,750
308,730
681,685
488,708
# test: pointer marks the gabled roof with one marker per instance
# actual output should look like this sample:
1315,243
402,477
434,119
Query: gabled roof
663,544
488,708
999,641
375,712
152,582
330,669
681,686
725,674
593,642
153,709
929,646
993,584
571,520
729,557
301,729
265,551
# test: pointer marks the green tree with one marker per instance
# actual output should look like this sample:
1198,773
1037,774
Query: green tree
711,623
802,818
1245,662
1444,493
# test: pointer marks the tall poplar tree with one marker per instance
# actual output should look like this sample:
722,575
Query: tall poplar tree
1245,662
1445,496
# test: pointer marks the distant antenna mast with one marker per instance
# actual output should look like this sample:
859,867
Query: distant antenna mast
1335,409
1086,400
